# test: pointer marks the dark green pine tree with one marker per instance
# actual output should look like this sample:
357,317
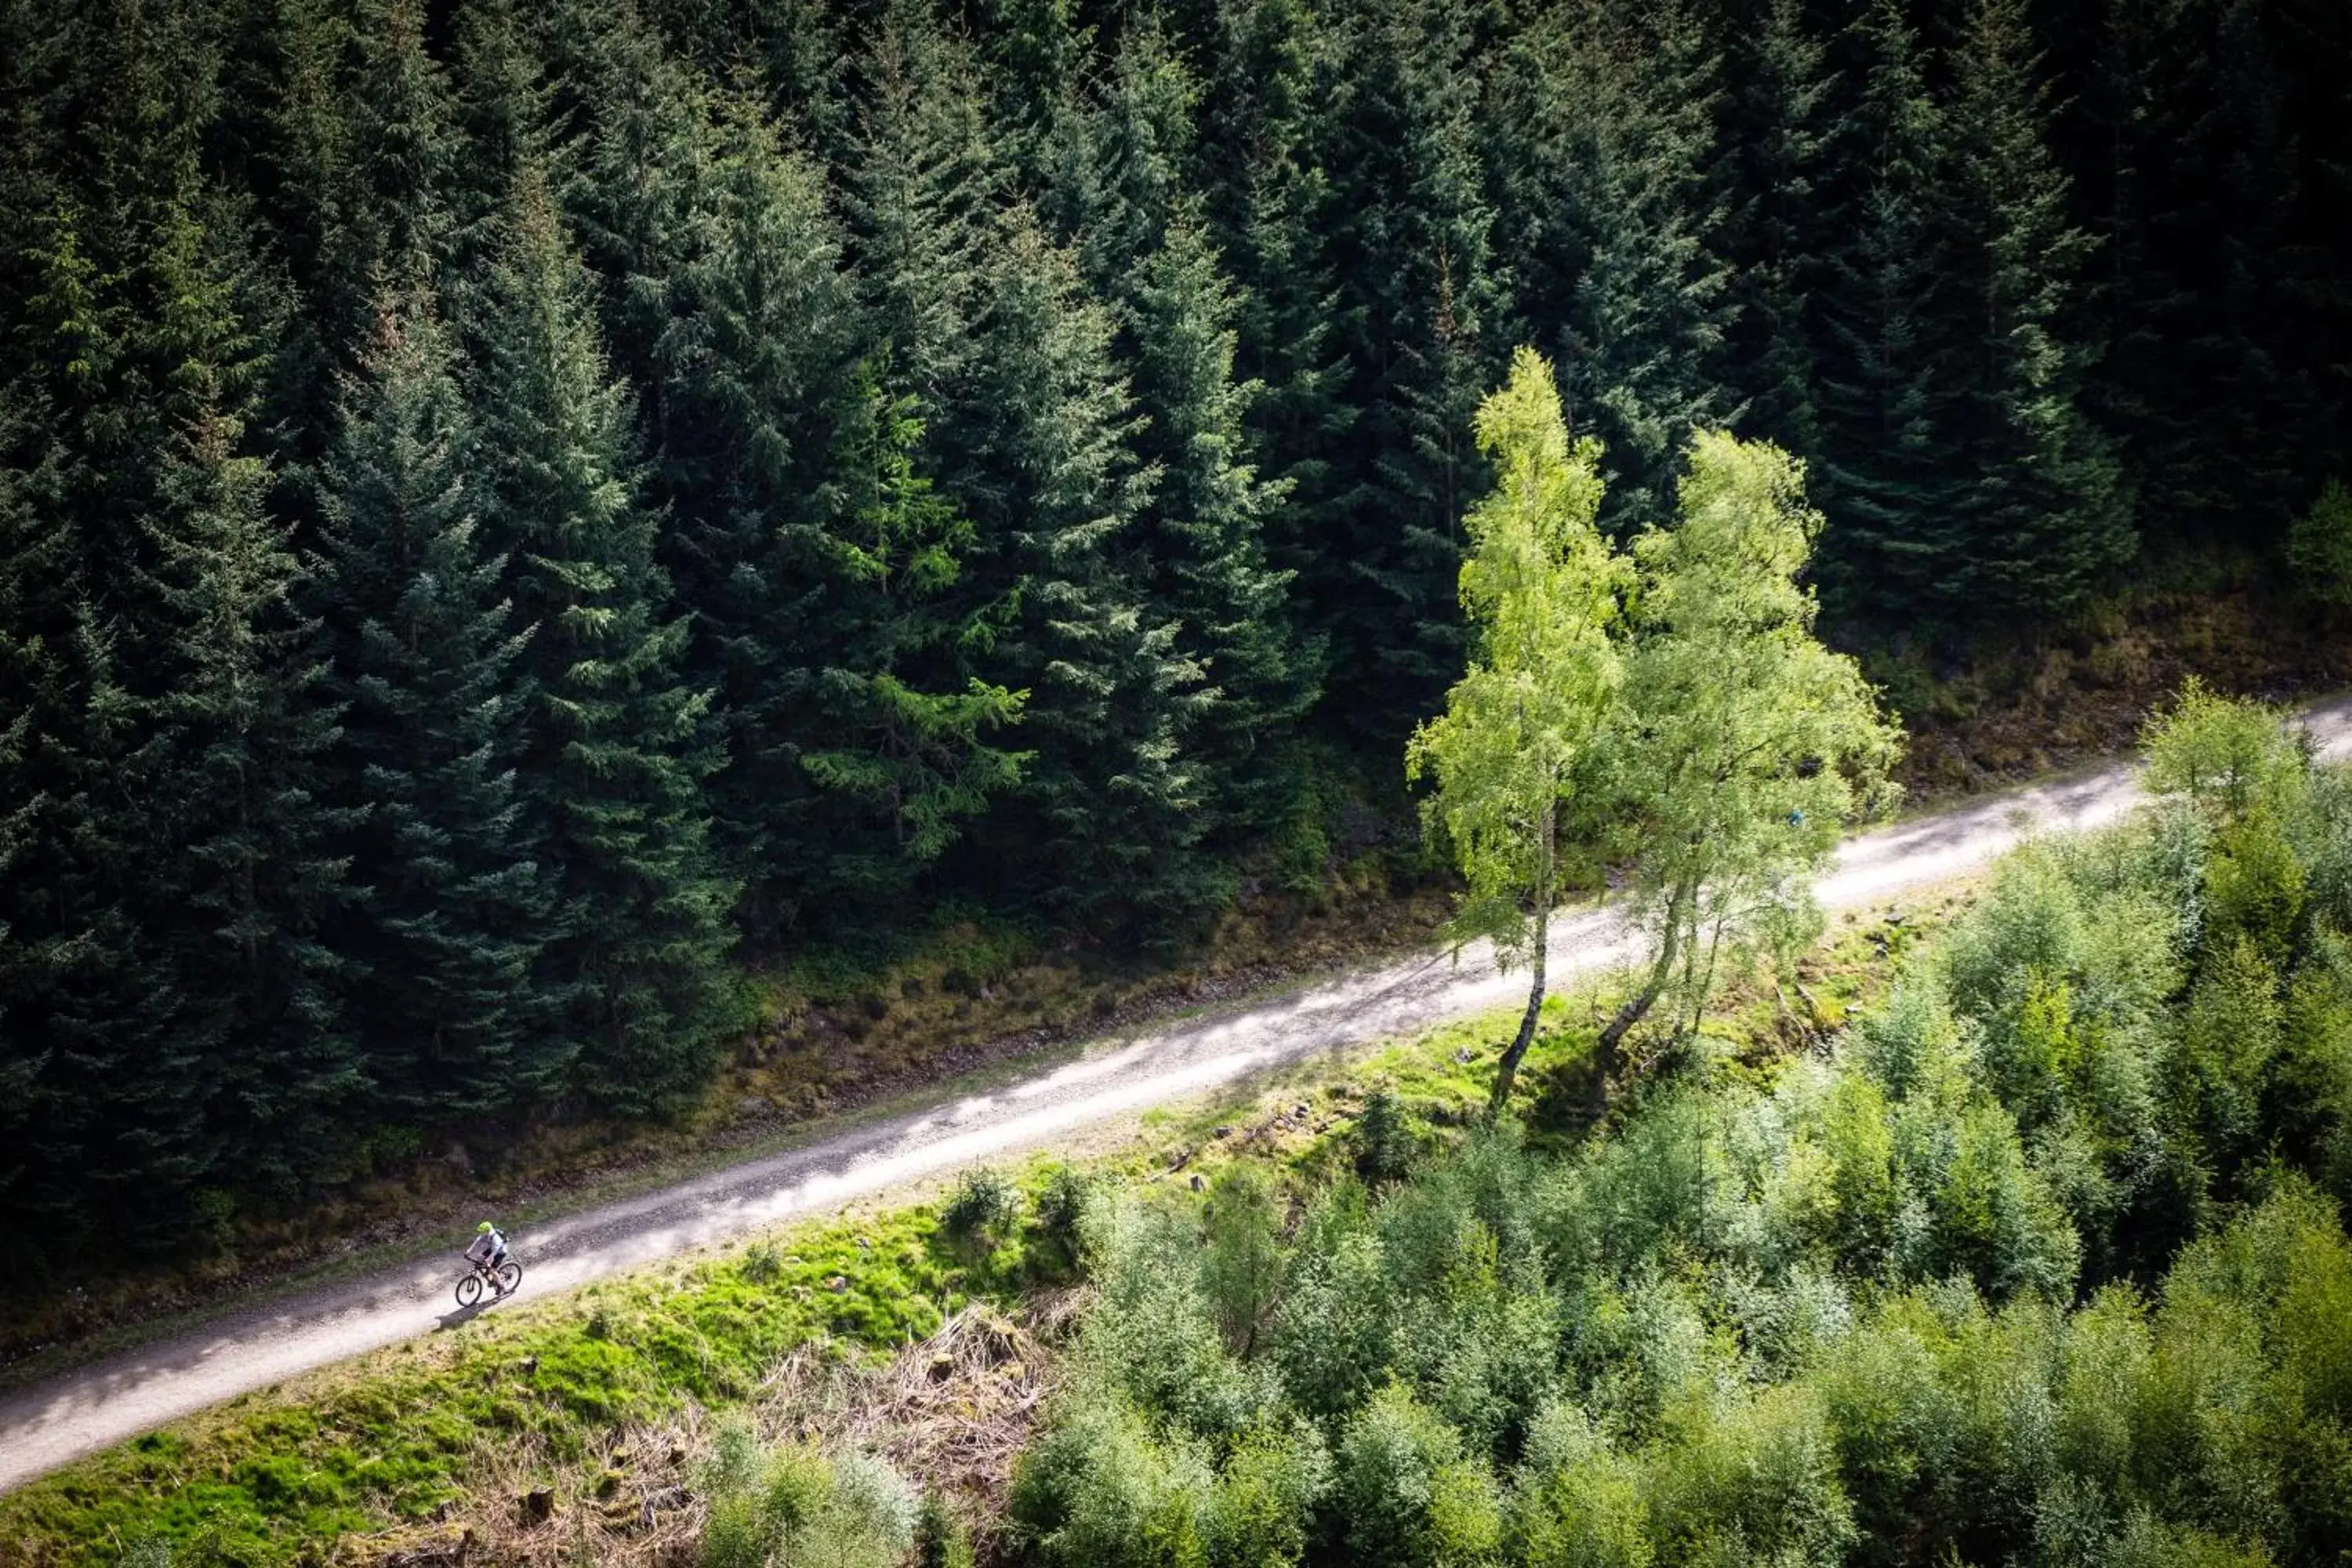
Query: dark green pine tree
1775,120
1269,207
117,1119
632,166
427,660
1117,161
756,361
404,148
1107,817
1885,476
2040,511
49,1104
2201,296
1416,294
805,55
923,187
618,745
1208,518
896,751
1123,203
188,1029
233,767
504,111
1034,53
2313,51
1608,140
817,559
368,150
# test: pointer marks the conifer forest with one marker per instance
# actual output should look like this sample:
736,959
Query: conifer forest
512,516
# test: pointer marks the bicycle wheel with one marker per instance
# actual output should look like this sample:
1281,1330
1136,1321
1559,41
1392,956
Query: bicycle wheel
469,1289
509,1278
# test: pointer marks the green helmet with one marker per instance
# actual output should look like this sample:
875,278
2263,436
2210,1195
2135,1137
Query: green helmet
483,1228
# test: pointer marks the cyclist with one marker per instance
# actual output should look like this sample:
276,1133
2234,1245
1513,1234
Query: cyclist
489,1252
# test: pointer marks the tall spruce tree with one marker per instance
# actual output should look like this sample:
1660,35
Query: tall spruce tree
1107,818
2040,509
1266,199
822,566
1777,122
617,745
1888,468
387,168
896,749
427,661
1209,516
631,164
366,152
52,1109
1117,160
116,1108
1649,312
503,110
924,184
404,149
2201,297
756,371
233,763
1600,129
1415,299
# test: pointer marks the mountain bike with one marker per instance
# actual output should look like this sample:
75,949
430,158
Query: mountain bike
503,1280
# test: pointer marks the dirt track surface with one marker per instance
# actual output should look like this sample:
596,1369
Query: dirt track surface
51,1424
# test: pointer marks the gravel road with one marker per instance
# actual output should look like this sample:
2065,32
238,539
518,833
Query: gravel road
51,1424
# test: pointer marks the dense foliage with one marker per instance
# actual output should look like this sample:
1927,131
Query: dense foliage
2043,1260
500,504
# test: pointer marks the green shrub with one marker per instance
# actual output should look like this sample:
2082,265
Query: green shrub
1894,1420
1151,1335
1480,1343
2030,1063
1384,1142
1576,1502
2319,546
1335,1332
1243,1267
2254,889
1991,1216
1865,1198
796,1504
2224,754
941,1539
2146,1542
1656,1184
1637,1349
1262,1511
1912,1044
1099,1490
1752,1479
1058,1221
2030,924
1408,1494
2310,1108
2221,1065
2322,830
982,1210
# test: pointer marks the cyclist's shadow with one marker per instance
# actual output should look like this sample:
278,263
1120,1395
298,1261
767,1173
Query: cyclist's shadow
464,1315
